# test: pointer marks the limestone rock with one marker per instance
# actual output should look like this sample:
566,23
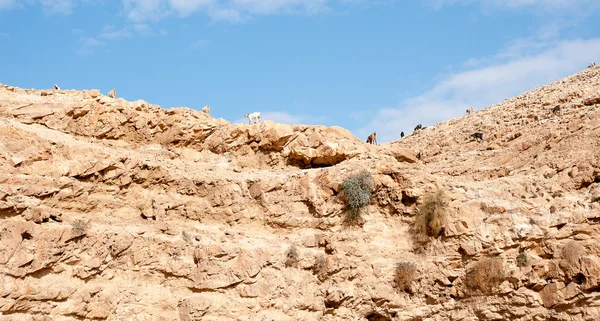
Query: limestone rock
117,210
193,307
403,154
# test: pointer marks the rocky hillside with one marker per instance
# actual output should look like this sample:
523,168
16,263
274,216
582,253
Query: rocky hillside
116,210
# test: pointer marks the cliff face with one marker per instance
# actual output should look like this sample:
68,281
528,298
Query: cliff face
116,210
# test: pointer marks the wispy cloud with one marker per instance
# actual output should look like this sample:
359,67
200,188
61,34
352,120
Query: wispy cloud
142,29
280,6
91,42
145,11
111,32
48,6
186,7
57,6
573,9
87,46
358,115
483,86
286,118
519,48
5,4
547,4
226,15
231,10
198,44
4,34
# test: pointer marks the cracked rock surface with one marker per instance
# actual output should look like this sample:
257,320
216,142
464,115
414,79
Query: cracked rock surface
117,210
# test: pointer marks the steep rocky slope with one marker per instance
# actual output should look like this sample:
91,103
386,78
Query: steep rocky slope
116,210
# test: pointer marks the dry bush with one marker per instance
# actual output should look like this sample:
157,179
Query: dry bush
356,190
291,257
320,268
80,227
486,275
522,259
404,276
572,251
431,216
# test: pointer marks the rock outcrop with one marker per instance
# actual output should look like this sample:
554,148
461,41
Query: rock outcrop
90,114
116,210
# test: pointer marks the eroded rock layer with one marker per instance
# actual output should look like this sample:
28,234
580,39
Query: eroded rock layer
116,210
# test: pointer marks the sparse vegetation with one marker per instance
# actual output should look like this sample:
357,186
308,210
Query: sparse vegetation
79,227
522,259
572,251
431,216
485,276
291,257
320,269
404,276
357,192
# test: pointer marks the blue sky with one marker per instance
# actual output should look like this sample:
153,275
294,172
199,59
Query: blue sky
380,65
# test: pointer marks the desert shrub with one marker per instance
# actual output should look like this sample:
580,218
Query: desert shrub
431,215
291,257
486,275
357,192
320,268
522,259
404,276
572,251
79,227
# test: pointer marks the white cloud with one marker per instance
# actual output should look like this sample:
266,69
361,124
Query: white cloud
577,9
198,44
88,46
91,42
110,32
285,118
273,6
57,6
238,10
142,10
358,115
142,29
483,87
550,4
5,4
225,14
232,10
48,6
186,7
